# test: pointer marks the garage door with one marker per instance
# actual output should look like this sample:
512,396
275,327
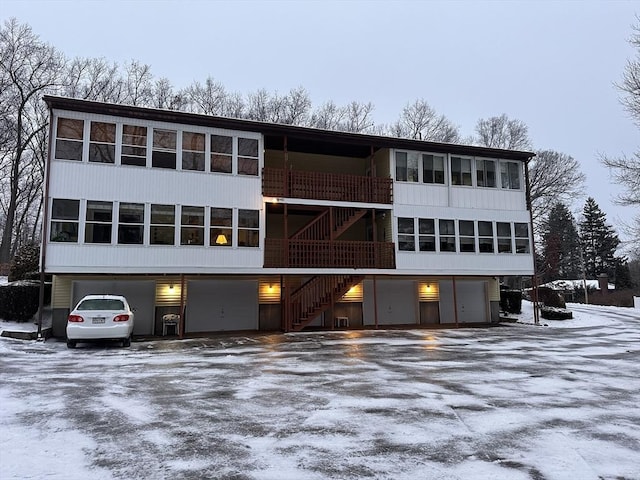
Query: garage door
472,299
141,295
221,305
397,302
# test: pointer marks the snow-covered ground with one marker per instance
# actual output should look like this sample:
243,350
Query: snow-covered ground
514,402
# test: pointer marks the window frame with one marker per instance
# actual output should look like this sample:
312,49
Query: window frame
160,226
447,238
466,237
507,170
406,238
465,176
483,162
131,225
97,147
252,232
64,220
189,213
93,223
70,141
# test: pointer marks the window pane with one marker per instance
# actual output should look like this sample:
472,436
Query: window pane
221,217
193,161
221,237
160,159
504,229
247,147
466,228
97,233
102,153
99,211
192,215
248,219
426,226
248,238
134,135
412,167
485,229
64,231
68,150
521,230
220,144
193,141
490,173
401,166
522,245
103,132
485,245
514,176
221,163
467,244
134,142
62,209
192,236
247,166
406,243
164,139
447,227
447,244
163,214
131,213
72,129
130,234
504,245
162,235
405,225
427,243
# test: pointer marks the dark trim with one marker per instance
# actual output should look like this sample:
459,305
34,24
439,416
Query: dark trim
274,132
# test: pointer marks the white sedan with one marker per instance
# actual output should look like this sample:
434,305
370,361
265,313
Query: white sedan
100,317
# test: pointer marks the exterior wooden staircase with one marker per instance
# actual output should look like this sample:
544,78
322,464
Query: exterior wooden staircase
314,297
329,224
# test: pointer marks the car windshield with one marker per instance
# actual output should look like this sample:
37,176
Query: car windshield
101,304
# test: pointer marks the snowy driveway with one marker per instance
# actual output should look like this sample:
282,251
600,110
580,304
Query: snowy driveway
513,402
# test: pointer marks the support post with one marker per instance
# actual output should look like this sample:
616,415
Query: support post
182,319
375,301
455,302
536,307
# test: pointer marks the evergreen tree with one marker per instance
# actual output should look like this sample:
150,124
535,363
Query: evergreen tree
560,246
599,241
623,275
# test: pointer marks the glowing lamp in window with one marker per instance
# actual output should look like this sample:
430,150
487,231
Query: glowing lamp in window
221,239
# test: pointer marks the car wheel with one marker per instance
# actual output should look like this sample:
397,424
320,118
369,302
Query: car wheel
71,344
126,342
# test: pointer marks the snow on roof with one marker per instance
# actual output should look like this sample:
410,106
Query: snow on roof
566,285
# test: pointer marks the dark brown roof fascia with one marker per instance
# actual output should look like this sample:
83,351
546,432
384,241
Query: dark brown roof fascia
315,134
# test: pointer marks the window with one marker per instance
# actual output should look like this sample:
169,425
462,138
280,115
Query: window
134,146
193,151
221,232
164,149
427,235
221,153
510,175
486,173
102,144
467,236
485,237
447,235
504,237
131,224
163,224
407,166
64,220
247,156
460,171
248,228
432,168
97,228
522,237
192,226
70,134
406,234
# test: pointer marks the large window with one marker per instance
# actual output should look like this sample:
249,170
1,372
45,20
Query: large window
510,175
134,145
433,168
522,237
407,166
247,156
131,224
70,134
192,227
221,231
485,237
467,236
504,237
102,144
461,171
485,173
406,234
163,218
98,224
427,235
164,148
193,151
221,153
64,220
447,232
248,228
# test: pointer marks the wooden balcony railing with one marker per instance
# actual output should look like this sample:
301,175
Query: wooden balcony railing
282,253
278,182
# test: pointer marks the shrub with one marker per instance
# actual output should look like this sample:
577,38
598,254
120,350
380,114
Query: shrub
19,300
551,297
511,301
25,263
554,313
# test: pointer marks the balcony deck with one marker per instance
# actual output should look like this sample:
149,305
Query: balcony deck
278,182
328,254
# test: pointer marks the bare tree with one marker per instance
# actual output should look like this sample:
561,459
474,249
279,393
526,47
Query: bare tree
554,177
625,170
503,132
357,118
138,86
93,79
28,68
208,98
420,121
297,107
258,105
165,97
328,116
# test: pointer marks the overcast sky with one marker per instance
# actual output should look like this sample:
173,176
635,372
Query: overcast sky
549,64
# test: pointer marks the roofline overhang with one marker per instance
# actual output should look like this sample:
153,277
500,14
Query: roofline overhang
376,142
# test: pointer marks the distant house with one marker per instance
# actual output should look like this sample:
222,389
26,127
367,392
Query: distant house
244,225
573,290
